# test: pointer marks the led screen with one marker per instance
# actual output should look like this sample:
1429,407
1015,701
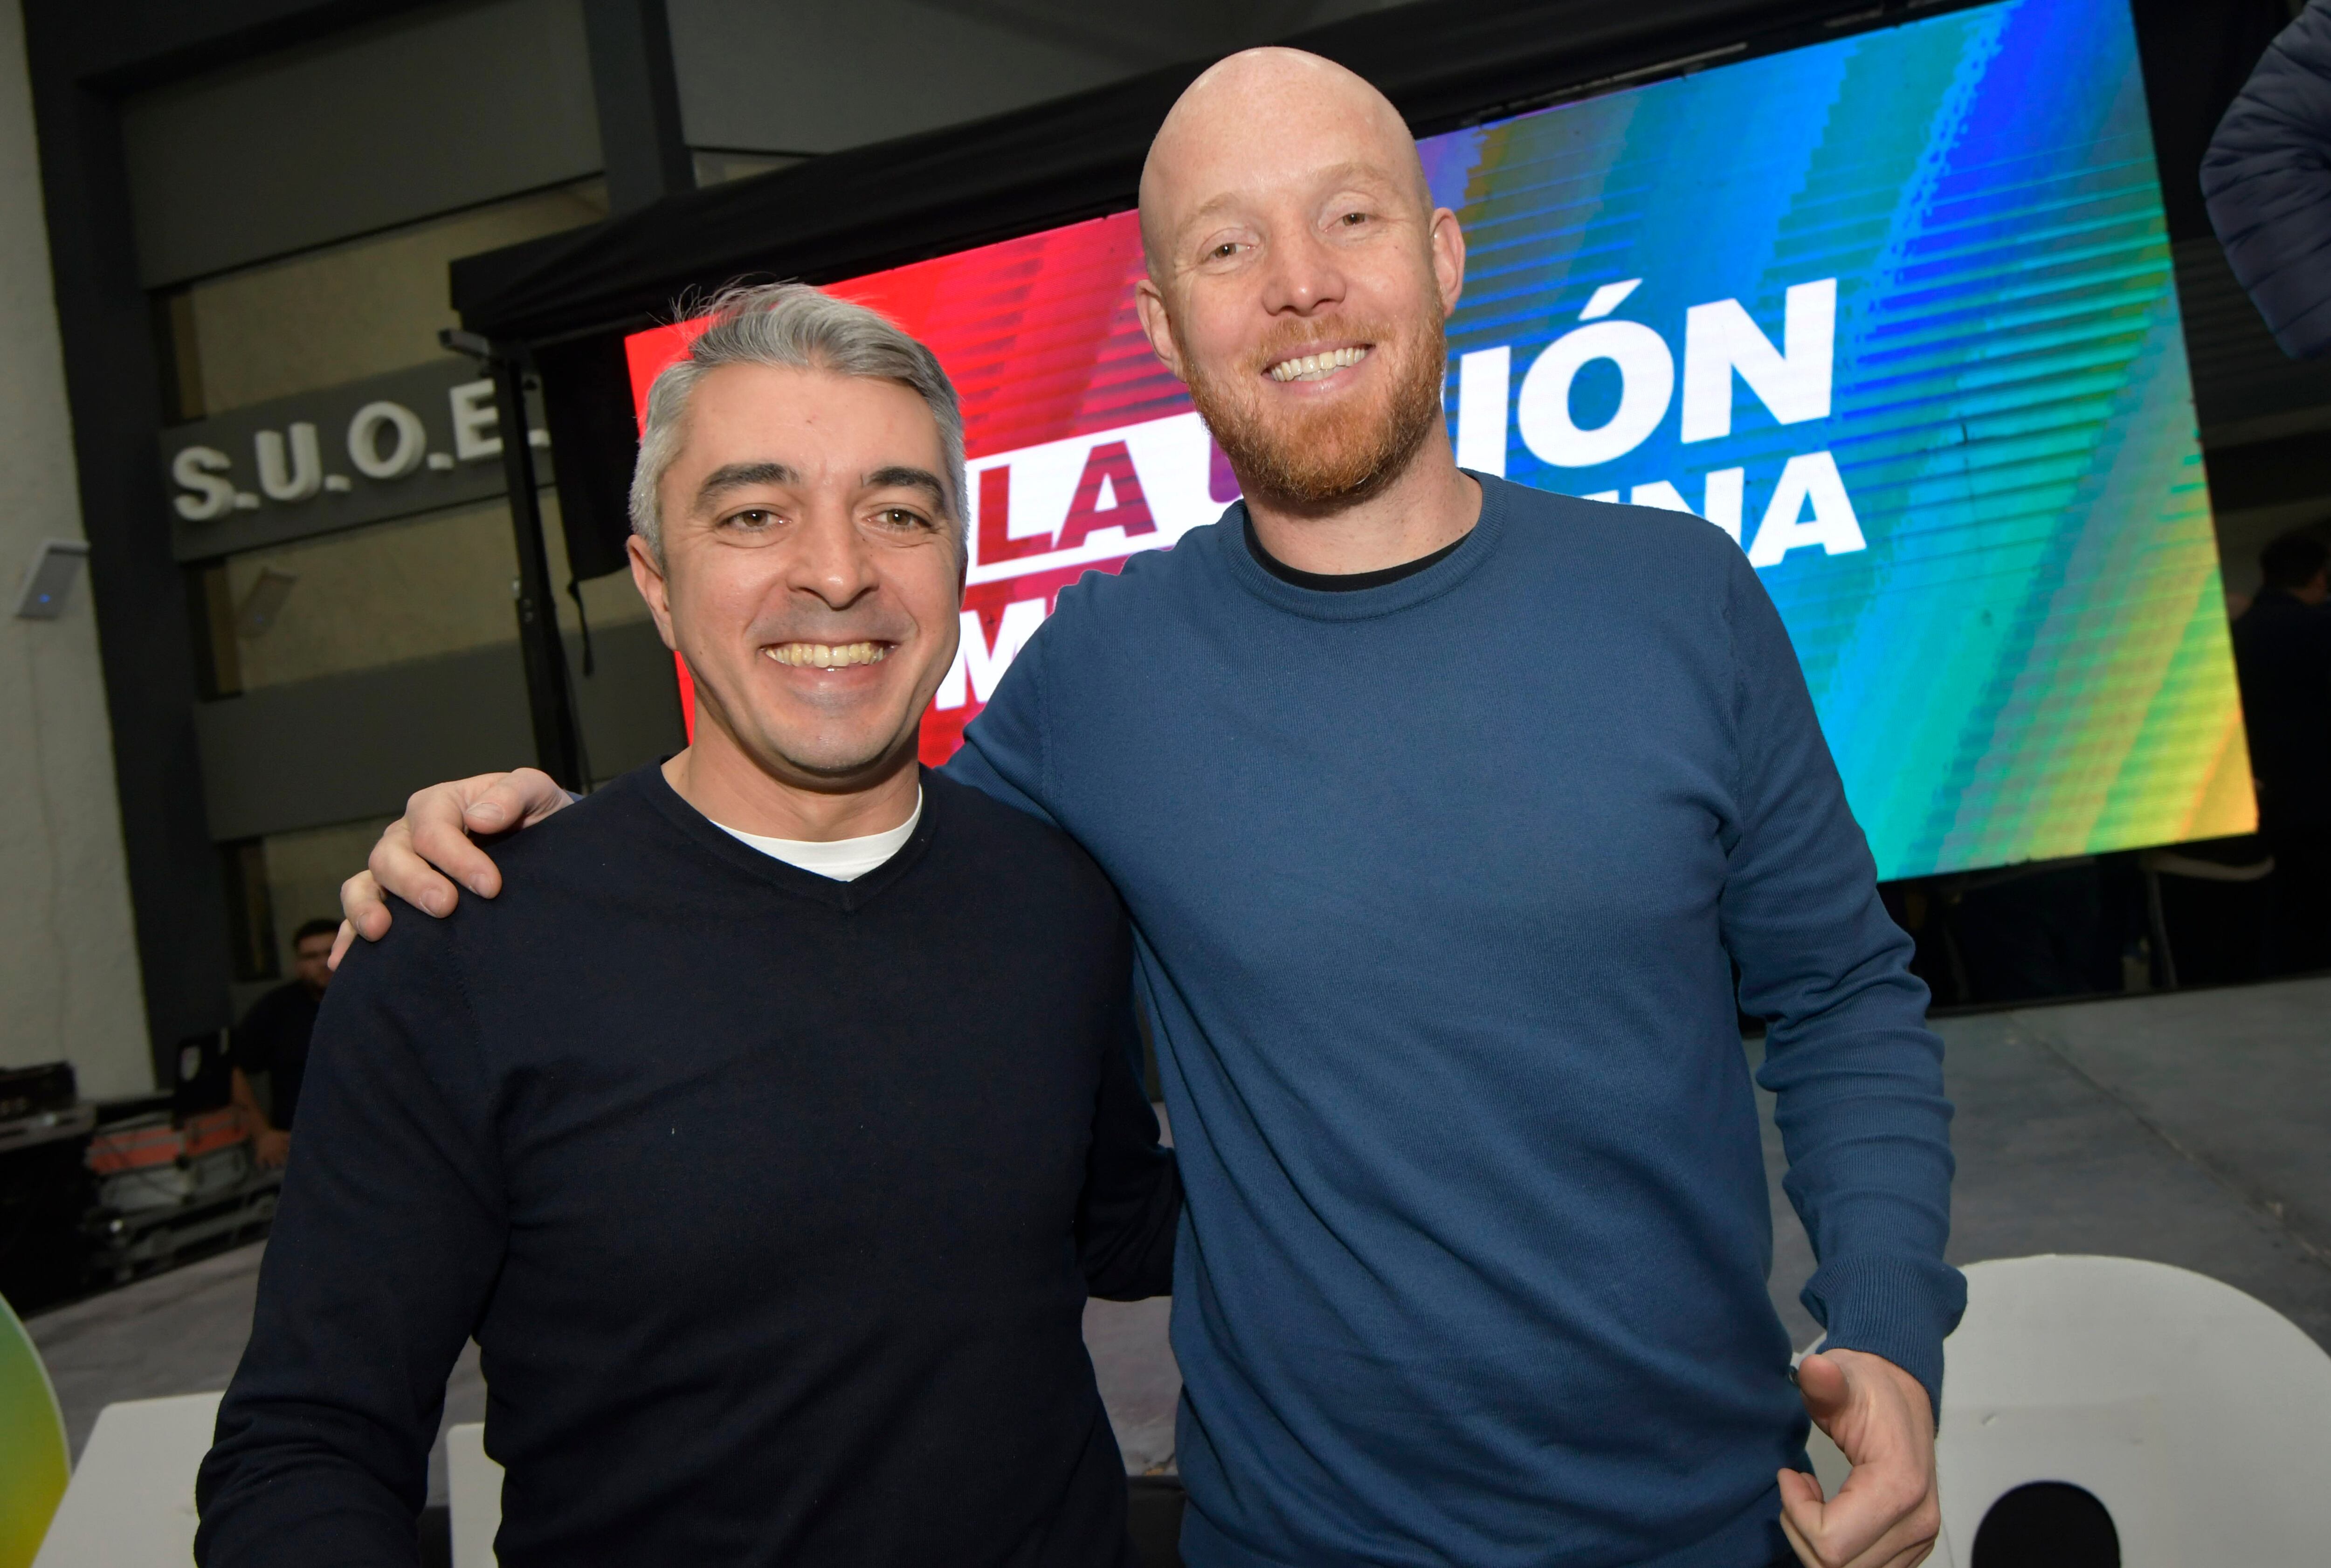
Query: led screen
1895,311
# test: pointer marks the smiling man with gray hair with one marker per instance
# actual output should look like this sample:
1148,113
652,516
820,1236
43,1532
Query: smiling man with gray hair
770,1185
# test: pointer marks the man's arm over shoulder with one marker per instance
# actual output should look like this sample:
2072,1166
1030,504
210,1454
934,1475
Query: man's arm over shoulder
1858,1073
382,1255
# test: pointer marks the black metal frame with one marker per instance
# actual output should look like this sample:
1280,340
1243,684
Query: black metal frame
551,703
1444,63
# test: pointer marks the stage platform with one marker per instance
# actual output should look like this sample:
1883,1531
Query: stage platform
2189,1129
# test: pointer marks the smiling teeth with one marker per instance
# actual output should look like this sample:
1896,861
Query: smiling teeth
1313,367
824,656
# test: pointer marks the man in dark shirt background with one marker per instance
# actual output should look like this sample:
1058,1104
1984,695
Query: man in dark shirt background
273,1038
2282,653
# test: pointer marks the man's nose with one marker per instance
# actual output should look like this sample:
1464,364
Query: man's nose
1304,274
833,560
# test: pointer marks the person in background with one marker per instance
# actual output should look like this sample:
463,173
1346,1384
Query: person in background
2267,178
2282,653
273,1038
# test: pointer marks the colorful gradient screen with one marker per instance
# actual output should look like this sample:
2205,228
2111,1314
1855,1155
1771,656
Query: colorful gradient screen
1895,311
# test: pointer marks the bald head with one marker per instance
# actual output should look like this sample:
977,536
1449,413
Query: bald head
1260,119
1299,277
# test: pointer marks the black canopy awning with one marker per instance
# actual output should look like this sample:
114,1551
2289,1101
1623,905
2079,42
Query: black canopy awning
571,298
1445,63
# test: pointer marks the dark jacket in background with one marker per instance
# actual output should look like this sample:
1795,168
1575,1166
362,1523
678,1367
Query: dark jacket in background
2282,649
2267,178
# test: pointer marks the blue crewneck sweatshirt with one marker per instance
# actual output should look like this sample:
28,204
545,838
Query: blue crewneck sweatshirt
1438,890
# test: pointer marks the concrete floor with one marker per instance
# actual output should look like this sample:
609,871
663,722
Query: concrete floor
2192,1129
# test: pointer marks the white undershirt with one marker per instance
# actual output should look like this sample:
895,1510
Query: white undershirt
844,860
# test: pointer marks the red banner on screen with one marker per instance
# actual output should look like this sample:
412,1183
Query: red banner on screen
1082,449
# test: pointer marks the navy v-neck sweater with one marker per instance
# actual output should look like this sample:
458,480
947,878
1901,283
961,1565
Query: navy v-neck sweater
1438,889
771,1200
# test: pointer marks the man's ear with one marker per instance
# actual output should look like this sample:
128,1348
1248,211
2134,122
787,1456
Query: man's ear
648,577
1448,259
1149,304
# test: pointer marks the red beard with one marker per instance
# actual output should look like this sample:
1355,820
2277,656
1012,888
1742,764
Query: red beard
1308,459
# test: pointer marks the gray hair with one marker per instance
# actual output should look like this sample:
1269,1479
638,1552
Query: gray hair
793,326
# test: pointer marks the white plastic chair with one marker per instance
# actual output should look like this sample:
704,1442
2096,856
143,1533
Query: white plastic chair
2200,1416
473,1484
132,1501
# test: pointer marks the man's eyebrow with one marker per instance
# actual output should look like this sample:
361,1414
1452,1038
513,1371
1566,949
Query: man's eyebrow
910,478
737,475
1208,209
1357,173
1354,172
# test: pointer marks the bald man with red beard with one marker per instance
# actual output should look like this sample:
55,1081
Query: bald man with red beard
1446,811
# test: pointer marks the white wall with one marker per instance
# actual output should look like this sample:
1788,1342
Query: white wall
69,979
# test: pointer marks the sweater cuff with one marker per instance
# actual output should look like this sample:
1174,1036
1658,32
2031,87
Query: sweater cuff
1900,1309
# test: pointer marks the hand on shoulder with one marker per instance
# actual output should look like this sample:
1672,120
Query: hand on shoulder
423,854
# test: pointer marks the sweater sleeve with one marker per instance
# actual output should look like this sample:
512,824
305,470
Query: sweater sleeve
383,1251
2266,179
1132,1203
1858,1075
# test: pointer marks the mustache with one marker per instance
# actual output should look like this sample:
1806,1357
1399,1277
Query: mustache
1298,337
852,625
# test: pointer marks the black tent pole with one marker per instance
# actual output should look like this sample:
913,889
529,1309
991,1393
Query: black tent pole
550,701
